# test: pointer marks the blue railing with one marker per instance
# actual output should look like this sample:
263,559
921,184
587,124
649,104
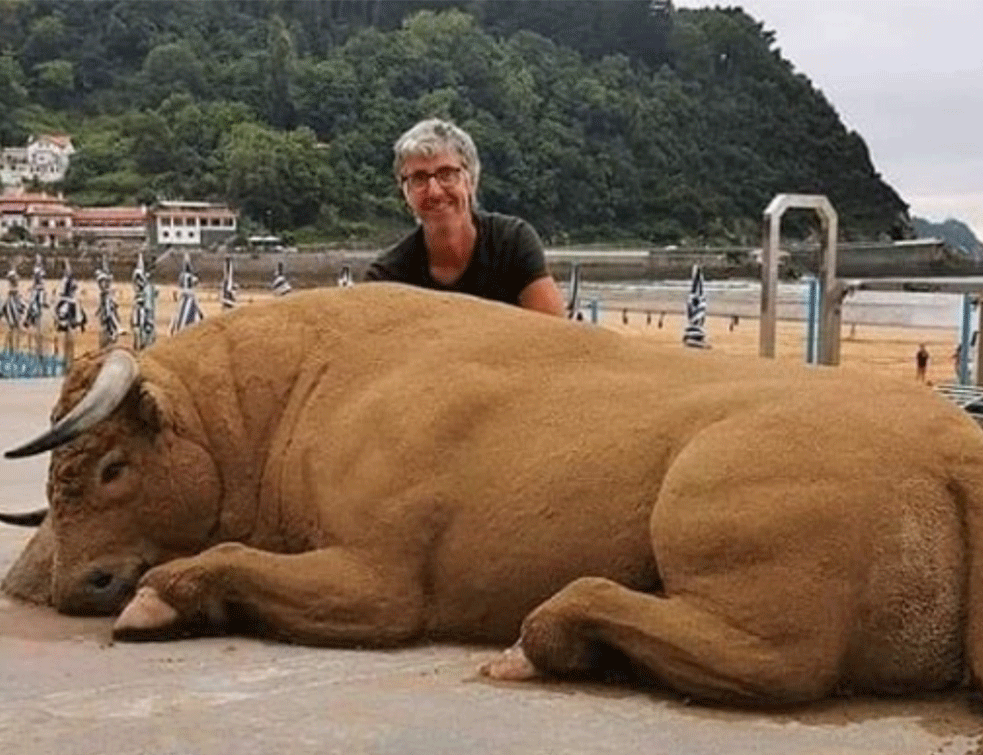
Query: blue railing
18,364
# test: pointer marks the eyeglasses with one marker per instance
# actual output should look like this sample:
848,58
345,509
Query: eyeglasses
446,177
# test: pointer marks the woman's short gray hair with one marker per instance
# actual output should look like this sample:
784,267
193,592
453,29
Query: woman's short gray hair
433,137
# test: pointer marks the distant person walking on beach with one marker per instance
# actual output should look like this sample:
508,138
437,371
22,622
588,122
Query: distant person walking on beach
921,362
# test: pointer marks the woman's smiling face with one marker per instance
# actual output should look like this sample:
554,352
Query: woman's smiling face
437,188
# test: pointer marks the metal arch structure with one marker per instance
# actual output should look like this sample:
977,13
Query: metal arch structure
830,295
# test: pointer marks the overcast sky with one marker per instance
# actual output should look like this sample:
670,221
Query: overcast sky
907,75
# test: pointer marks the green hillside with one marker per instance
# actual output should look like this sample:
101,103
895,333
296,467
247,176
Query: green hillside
595,120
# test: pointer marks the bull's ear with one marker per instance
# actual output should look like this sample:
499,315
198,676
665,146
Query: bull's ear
154,407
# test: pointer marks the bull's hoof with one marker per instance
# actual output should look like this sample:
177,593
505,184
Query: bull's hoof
146,616
511,665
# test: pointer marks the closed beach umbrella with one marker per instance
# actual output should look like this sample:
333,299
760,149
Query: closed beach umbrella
345,277
280,283
12,311
573,301
37,301
188,310
69,314
142,315
696,312
107,312
13,305
228,285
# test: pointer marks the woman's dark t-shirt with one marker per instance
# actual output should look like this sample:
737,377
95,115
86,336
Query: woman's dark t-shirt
508,256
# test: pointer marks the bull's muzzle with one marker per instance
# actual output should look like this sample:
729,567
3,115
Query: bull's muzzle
99,589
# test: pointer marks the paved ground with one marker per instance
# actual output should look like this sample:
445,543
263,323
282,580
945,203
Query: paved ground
66,689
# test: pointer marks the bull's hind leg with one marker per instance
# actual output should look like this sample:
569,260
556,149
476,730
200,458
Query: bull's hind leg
672,639
332,596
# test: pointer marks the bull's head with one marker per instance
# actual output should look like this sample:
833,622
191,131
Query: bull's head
127,489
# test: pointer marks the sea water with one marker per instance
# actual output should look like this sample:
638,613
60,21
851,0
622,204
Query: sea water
742,298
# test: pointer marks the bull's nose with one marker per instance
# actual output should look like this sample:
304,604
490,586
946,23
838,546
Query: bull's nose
100,580
105,592
101,590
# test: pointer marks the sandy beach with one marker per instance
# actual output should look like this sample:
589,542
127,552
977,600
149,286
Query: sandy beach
885,349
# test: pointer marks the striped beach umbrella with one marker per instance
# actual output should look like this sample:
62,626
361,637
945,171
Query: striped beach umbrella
69,314
696,312
228,285
280,283
12,311
345,277
142,318
188,311
37,301
107,313
573,300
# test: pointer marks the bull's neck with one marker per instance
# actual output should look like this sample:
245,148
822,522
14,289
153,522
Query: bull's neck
235,412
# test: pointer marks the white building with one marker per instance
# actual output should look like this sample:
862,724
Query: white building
200,224
44,159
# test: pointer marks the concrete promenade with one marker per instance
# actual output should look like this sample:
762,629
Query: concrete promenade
65,688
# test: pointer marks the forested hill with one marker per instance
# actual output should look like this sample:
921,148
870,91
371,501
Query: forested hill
594,119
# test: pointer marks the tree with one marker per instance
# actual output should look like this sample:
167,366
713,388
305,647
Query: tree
279,176
169,68
13,96
45,41
152,143
282,63
55,82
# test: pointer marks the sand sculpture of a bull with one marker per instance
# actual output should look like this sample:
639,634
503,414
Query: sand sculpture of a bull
375,465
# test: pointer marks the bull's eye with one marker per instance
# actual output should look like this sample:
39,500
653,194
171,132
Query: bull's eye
111,471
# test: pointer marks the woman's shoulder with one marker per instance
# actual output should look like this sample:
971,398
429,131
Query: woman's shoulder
399,261
502,223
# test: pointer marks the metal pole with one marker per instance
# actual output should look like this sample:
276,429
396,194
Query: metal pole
812,324
831,296
965,332
978,376
769,285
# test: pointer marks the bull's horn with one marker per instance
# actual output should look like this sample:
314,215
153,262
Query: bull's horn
25,518
118,373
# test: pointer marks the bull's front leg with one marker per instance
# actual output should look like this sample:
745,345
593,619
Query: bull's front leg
332,596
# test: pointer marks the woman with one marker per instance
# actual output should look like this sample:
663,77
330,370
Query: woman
457,247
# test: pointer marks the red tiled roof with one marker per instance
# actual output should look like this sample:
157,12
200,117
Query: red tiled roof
48,209
110,213
62,140
28,198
